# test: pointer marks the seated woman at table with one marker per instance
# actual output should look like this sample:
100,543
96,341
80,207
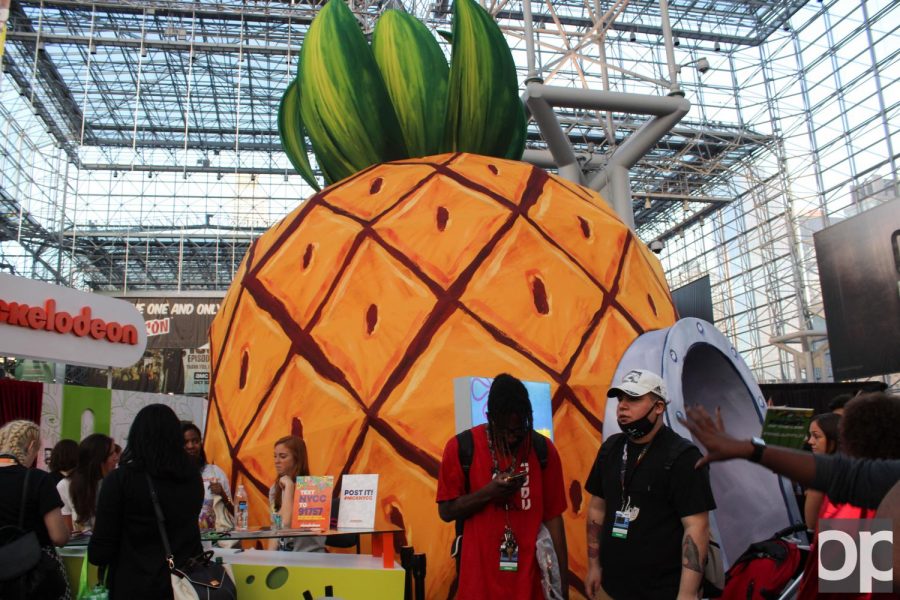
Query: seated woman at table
215,482
291,461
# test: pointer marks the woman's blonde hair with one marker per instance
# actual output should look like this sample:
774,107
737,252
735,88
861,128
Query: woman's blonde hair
16,436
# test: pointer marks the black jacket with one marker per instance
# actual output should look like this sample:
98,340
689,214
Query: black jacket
126,536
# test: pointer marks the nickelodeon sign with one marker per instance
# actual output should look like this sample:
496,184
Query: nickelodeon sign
52,322
81,325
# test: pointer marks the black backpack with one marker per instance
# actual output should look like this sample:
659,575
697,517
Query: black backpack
466,448
713,571
26,570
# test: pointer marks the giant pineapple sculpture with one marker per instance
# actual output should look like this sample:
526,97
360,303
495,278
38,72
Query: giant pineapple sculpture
348,320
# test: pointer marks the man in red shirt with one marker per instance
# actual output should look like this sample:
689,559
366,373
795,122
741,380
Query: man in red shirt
507,499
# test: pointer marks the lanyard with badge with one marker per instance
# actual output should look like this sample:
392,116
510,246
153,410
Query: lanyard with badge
509,547
627,513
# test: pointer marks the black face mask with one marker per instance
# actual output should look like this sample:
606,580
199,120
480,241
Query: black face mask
639,427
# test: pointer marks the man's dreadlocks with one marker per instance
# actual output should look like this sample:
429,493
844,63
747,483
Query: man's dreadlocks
508,397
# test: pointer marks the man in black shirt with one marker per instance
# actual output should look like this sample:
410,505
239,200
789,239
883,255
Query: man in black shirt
648,518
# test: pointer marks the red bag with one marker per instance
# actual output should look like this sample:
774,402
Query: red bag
763,571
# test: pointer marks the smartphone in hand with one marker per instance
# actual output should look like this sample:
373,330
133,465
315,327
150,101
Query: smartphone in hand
518,478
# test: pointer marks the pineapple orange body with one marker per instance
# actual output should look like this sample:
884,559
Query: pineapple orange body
350,318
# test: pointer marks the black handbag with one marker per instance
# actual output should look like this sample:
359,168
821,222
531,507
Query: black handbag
20,551
198,577
26,569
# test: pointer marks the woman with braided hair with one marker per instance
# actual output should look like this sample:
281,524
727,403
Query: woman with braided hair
41,513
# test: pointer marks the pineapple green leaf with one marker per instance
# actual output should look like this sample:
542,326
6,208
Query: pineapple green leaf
346,108
519,127
484,112
290,126
415,73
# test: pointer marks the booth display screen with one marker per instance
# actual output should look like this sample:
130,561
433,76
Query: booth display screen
538,393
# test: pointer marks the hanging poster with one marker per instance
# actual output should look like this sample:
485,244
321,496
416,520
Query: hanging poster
358,496
175,321
196,371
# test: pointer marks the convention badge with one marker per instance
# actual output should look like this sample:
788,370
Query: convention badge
509,552
620,525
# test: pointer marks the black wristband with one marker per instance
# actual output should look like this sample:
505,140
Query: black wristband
759,445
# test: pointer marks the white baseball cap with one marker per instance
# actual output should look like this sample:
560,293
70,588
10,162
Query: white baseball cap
638,382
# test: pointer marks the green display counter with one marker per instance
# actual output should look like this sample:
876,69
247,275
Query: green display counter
269,575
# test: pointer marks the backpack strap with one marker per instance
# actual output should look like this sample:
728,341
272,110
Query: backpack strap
612,446
680,446
24,499
161,523
539,443
465,443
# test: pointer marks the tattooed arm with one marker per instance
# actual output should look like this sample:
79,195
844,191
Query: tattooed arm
694,546
595,513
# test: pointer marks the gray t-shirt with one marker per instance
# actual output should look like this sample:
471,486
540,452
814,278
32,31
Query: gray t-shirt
863,483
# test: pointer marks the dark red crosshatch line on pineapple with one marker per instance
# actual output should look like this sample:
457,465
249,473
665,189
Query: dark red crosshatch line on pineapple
590,201
302,342
604,306
449,173
266,301
576,190
351,252
507,341
212,394
448,300
237,303
440,313
307,207
237,465
561,379
571,258
276,309
263,399
415,188
413,454
562,391
629,246
369,418
305,346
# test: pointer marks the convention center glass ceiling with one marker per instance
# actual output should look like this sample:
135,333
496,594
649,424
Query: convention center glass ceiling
188,92
139,150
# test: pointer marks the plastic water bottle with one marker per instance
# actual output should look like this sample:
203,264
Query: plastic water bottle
240,508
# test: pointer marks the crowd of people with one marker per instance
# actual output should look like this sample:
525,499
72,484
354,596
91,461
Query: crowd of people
98,489
648,526
648,532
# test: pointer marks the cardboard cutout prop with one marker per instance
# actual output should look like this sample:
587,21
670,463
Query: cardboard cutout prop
348,321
